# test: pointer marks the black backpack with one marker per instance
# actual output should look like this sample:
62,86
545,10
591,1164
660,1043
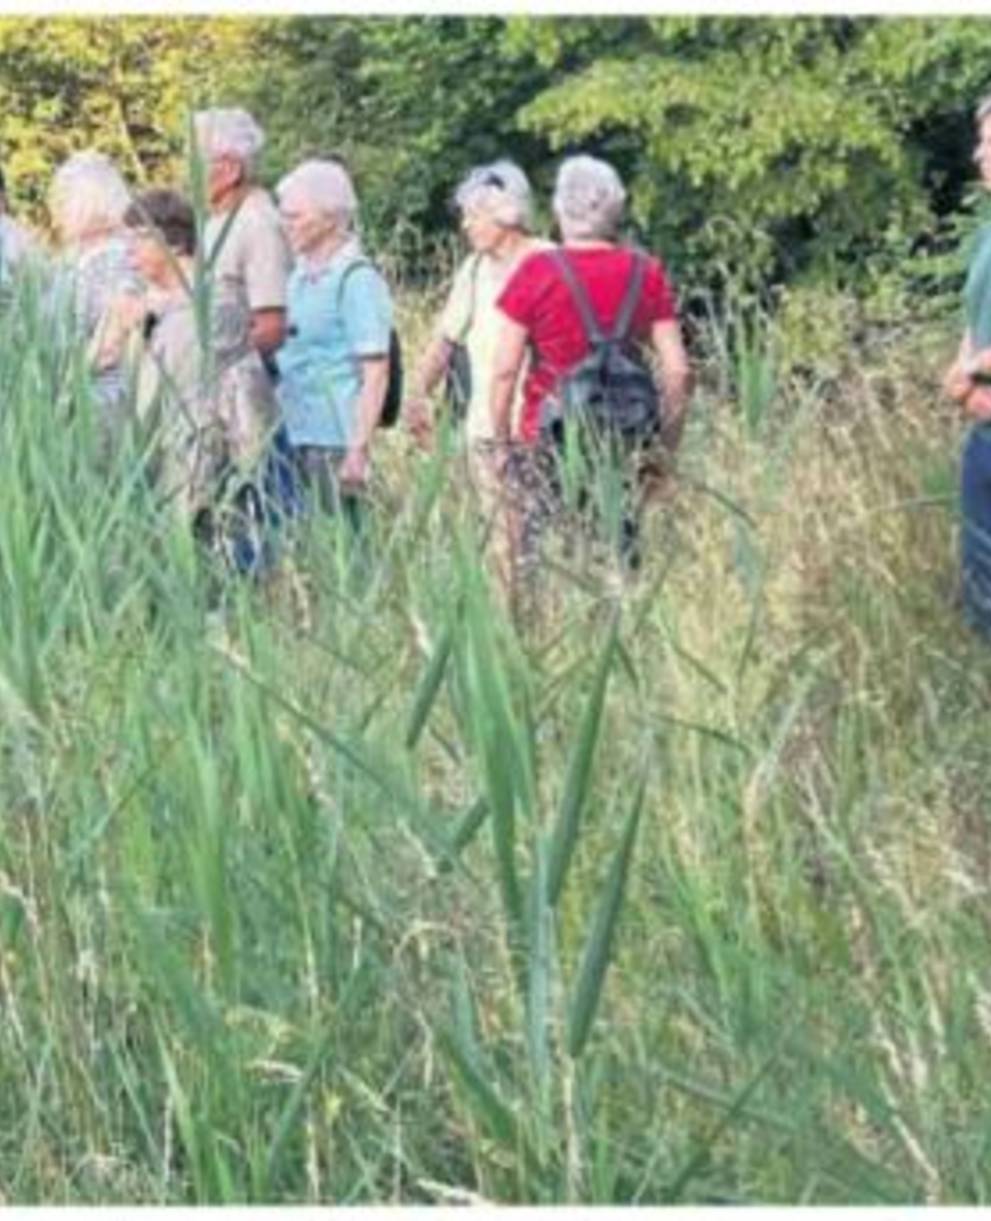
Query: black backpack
394,389
611,391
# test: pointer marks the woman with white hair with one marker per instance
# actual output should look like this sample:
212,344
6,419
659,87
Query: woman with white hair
334,367
496,210
547,307
87,202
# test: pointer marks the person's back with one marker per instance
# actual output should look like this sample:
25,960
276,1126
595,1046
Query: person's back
543,315
539,298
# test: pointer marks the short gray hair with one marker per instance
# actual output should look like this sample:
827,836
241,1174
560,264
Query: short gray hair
588,198
326,184
87,194
983,109
229,132
502,191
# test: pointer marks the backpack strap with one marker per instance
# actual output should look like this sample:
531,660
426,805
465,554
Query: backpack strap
632,298
353,265
593,331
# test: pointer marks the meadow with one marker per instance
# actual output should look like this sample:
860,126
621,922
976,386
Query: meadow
351,892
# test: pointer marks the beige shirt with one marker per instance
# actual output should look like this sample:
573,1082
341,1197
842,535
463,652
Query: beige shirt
253,262
470,317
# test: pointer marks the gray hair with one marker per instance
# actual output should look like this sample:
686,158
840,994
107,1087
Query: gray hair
229,132
588,198
87,194
326,184
502,191
983,109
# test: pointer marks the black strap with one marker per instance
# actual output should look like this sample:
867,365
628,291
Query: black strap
593,332
631,298
473,283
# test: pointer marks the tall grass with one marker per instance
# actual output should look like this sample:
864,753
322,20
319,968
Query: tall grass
364,896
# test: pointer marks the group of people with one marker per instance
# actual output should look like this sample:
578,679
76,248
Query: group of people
291,367
275,390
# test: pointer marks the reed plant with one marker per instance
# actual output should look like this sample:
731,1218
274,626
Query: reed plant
357,892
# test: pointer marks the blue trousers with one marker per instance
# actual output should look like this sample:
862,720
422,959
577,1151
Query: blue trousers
975,530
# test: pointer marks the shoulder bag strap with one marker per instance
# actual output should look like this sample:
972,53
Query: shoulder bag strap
472,297
632,297
593,331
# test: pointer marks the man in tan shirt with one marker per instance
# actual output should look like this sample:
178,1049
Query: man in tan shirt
253,264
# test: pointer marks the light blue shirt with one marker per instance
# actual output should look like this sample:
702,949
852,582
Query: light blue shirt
334,320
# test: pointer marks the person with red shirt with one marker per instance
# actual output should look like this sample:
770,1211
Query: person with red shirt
541,315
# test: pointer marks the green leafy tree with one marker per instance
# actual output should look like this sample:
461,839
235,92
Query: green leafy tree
120,84
778,145
410,104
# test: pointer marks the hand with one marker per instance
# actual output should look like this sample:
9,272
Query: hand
132,309
417,418
978,403
957,383
353,472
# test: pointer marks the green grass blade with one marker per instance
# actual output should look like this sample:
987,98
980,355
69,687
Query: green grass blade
484,1102
579,770
540,967
698,1161
428,687
290,1111
595,959
469,825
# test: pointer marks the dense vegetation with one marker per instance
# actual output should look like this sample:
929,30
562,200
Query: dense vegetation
352,892
316,900
824,149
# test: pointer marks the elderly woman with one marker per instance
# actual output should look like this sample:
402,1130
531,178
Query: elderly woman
497,218
334,367
87,202
190,386
547,308
968,382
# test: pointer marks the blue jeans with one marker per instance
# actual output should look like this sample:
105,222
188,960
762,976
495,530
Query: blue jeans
975,530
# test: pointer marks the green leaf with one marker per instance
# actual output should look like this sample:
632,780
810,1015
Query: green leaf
428,687
579,770
540,966
596,956
469,825
485,1103
295,1101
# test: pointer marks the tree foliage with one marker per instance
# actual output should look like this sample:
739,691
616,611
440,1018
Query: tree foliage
783,143
122,85
786,147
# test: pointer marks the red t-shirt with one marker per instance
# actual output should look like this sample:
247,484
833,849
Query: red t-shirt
538,298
